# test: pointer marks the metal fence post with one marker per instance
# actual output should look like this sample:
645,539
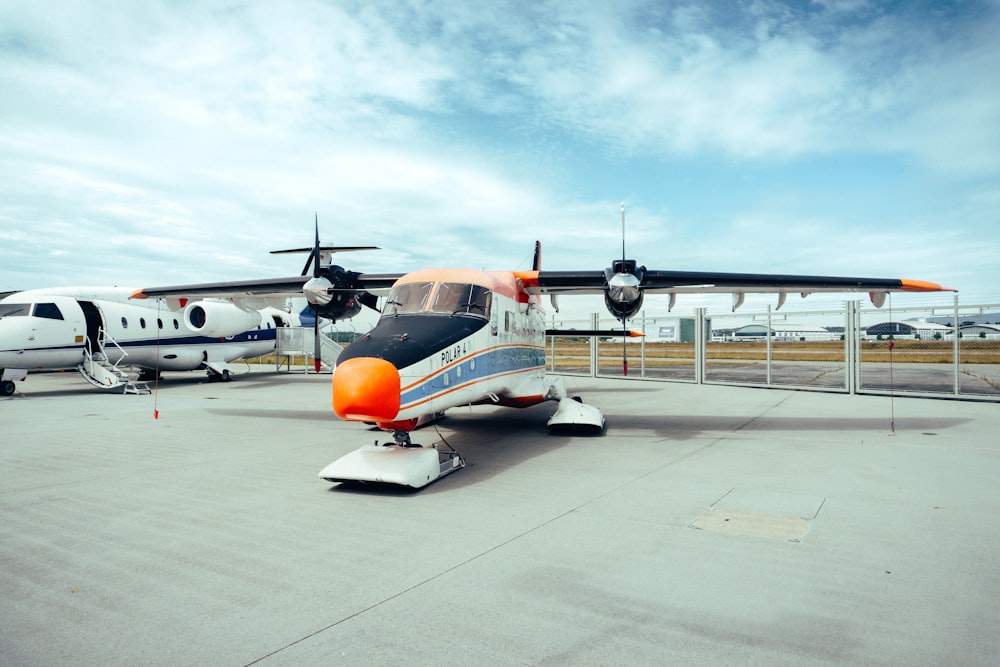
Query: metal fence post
852,334
593,346
768,338
956,366
699,346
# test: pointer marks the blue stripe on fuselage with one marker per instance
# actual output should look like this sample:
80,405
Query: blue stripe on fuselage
494,362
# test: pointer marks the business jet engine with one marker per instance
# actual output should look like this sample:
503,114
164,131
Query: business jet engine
219,319
335,294
622,293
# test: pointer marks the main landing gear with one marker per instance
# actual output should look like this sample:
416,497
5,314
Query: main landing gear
399,462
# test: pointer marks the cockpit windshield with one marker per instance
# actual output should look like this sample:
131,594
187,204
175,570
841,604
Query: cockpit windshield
462,299
49,311
14,309
407,298
448,299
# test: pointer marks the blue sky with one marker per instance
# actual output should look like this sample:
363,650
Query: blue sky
158,143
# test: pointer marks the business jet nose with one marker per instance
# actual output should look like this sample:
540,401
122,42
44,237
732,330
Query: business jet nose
366,389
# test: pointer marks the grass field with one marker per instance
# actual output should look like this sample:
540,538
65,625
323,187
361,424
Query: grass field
903,351
570,352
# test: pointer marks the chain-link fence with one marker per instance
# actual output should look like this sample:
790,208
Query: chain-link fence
937,350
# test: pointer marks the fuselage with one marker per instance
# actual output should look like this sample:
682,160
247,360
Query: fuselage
446,337
53,328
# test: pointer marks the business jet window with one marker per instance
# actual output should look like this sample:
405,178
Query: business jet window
462,299
142,322
14,309
49,311
407,298
124,323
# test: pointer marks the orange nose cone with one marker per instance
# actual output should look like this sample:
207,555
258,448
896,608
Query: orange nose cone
366,389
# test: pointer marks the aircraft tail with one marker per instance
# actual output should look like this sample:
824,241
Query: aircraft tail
307,318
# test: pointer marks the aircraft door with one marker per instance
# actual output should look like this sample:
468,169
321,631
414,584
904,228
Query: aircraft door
95,326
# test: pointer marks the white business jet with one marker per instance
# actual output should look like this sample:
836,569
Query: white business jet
103,334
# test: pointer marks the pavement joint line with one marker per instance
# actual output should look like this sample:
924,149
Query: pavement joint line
481,554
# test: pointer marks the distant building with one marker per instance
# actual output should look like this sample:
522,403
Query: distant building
779,333
965,318
908,330
987,331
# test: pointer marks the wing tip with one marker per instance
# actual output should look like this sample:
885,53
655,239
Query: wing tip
908,285
138,294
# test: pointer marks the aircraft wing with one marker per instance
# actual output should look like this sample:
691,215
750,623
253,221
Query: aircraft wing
248,289
334,300
691,282
626,289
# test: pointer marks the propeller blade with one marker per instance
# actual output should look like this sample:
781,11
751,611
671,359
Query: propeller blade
369,299
315,253
316,352
624,319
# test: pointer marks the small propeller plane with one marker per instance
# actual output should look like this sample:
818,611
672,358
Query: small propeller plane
100,332
454,337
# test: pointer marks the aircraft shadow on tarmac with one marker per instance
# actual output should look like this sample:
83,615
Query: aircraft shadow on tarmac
495,443
490,443
686,427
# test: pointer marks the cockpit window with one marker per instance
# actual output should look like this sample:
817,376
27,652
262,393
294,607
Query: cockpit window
407,298
462,299
49,311
14,309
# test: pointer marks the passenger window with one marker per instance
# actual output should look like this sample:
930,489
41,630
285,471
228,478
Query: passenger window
159,323
124,323
176,326
49,311
142,322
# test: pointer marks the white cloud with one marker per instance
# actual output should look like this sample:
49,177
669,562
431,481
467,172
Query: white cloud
211,133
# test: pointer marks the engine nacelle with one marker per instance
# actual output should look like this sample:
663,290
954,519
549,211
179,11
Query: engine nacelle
333,294
623,294
341,306
219,319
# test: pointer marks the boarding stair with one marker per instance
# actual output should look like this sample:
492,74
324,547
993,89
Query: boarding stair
97,369
300,342
330,350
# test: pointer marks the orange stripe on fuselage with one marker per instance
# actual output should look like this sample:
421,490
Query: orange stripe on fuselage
466,385
469,357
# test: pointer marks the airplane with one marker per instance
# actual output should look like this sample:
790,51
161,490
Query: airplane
99,331
453,337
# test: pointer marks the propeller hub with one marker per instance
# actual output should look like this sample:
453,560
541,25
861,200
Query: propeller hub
624,288
316,291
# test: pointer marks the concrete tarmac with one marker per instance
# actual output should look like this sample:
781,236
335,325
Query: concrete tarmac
709,525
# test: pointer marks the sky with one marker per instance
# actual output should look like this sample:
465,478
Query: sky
158,143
